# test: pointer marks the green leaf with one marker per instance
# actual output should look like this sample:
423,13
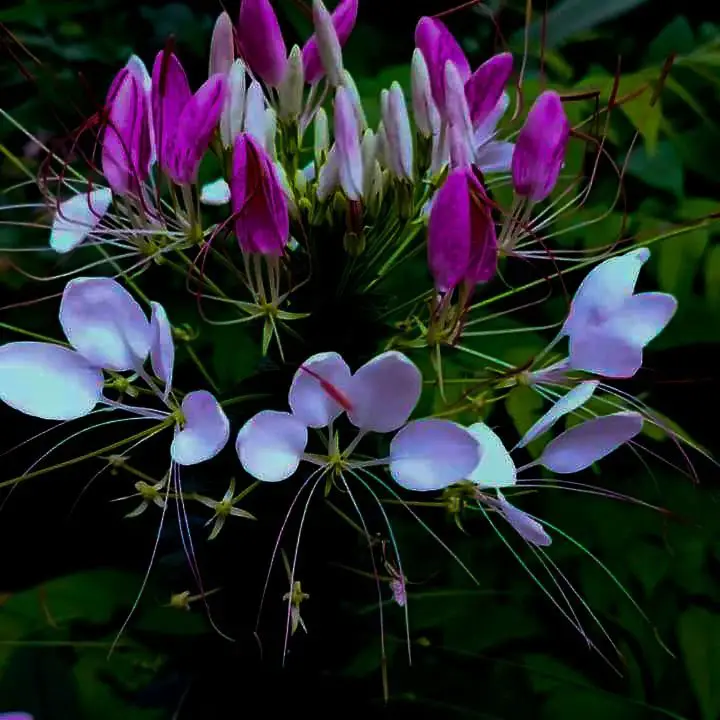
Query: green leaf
712,277
570,17
676,37
679,259
699,637
663,170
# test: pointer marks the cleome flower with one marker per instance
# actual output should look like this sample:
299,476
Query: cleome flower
379,397
109,334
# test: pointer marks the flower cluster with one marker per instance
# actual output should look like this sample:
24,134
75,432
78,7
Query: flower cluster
288,193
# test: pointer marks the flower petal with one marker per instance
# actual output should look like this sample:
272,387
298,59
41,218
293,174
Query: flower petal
494,156
604,291
77,217
317,391
525,526
582,445
205,431
343,20
261,41
270,445
574,399
216,192
383,392
496,468
347,142
432,454
162,350
485,87
48,381
485,131
104,323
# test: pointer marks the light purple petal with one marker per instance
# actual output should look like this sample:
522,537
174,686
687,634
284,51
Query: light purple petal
347,140
496,468
104,323
77,217
570,402
205,431
383,392
605,290
48,381
597,352
15,716
432,454
317,390
525,526
216,192
582,445
270,445
162,350
494,156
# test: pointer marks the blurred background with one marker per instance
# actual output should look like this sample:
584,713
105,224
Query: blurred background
70,571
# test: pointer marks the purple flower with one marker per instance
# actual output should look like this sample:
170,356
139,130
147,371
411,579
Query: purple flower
78,217
183,122
608,325
540,148
424,454
343,20
462,245
261,42
126,142
438,47
262,223
108,330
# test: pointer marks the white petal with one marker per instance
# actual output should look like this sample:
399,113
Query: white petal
205,431
384,392
317,392
105,324
496,468
48,381
432,454
162,351
270,445
77,217
216,192
255,118
574,399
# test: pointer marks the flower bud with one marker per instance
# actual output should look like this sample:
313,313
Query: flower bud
540,148
328,44
290,92
321,141
231,120
222,46
398,132
343,20
427,117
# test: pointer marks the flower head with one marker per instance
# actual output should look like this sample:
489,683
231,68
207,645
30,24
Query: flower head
379,397
609,325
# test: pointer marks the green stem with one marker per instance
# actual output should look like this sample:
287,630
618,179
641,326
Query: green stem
194,356
32,334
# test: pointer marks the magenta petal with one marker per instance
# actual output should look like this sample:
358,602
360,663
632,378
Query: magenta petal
261,42
170,95
483,239
343,20
205,431
582,445
525,526
195,127
438,45
126,145
262,222
449,232
540,148
485,87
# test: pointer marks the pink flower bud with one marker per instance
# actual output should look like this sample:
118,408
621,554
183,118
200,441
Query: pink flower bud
126,143
540,148
261,41
343,20
262,222
328,44
427,117
222,46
